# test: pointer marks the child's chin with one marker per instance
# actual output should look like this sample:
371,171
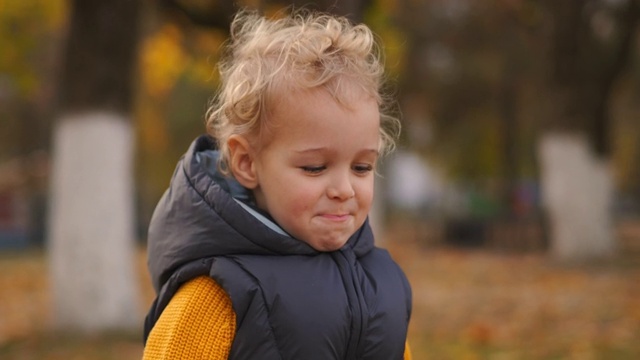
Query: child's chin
327,245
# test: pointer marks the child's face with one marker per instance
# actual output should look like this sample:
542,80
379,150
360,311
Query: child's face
315,175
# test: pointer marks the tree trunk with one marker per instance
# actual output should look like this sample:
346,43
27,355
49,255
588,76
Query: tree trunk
578,193
574,150
91,233
92,248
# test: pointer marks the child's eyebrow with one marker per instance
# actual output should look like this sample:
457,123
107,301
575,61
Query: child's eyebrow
325,149
312,150
374,152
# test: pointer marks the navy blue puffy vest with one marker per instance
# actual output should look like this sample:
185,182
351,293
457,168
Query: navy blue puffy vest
330,306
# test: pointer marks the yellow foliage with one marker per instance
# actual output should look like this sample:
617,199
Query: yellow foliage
393,41
47,14
26,29
388,6
154,137
202,71
162,60
206,49
624,154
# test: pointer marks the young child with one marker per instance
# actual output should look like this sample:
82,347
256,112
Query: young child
260,248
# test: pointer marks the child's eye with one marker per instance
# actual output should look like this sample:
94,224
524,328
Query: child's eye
363,169
313,169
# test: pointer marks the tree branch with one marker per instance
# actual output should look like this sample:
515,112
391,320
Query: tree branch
219,17
628,23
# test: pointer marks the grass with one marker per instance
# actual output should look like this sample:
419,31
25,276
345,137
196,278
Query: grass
467,305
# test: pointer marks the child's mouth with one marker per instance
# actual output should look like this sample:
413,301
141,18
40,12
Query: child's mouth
336,217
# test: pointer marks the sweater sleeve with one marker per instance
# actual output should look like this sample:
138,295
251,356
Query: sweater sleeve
198,323
407,351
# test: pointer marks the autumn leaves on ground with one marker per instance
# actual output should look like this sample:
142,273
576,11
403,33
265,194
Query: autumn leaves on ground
468,304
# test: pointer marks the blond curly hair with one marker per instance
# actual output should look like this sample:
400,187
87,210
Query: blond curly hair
267,58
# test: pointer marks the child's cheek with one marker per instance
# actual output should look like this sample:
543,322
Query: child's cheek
301,201
300,205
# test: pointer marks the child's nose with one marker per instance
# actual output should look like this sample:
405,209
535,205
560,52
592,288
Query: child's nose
341,188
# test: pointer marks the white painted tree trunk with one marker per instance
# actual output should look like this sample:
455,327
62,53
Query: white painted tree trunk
91,225
577,193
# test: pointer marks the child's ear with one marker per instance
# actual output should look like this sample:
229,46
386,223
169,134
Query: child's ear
242,161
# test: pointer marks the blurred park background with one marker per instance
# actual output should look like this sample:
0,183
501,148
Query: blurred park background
512,201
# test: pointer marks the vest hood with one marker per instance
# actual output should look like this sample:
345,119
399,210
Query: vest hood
200,216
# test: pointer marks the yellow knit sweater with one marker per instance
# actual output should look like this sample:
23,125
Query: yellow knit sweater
199,323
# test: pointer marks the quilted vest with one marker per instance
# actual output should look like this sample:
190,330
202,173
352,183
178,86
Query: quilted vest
333,306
